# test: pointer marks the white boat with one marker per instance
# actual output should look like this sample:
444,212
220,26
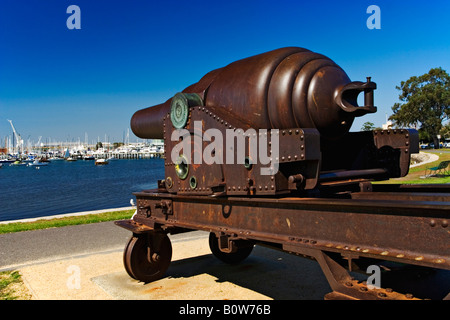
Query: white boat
99,162
153,149
71,159
37,163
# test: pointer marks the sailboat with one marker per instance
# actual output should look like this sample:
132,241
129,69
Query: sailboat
68,157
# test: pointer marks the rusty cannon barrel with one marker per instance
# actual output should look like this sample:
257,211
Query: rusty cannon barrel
285,88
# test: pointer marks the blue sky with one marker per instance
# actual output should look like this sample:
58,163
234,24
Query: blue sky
62,84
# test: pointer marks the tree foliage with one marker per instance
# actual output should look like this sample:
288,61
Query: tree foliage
445,131
368,126
425,102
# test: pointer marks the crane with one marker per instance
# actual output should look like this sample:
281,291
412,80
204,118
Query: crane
19,140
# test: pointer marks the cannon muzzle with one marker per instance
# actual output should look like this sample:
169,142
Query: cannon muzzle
147,123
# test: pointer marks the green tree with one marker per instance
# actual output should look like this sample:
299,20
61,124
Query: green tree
425,102
117,144
368,126
445,131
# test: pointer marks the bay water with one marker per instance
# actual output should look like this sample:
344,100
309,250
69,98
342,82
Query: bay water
68,187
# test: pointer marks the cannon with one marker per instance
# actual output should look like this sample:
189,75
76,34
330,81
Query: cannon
260,152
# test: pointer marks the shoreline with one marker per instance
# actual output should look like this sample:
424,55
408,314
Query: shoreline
83,213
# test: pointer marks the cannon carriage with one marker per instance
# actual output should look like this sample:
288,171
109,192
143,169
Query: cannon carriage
259,153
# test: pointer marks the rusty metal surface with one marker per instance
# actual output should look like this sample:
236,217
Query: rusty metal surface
284,88
386,149
298,148
320,203
287,89
406,231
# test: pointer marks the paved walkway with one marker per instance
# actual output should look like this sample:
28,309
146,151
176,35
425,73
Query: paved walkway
85,263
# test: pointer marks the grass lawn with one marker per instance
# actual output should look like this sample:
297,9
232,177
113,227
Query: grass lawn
12,287
66,221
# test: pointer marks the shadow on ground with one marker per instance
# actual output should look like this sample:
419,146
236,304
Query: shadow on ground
265,274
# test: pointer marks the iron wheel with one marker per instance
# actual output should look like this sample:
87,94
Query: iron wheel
147,256
243,250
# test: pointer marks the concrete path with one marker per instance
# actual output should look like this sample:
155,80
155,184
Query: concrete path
85,263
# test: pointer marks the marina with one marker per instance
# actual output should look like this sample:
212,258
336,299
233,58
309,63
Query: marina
82,152
16,151
52,178
60,186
